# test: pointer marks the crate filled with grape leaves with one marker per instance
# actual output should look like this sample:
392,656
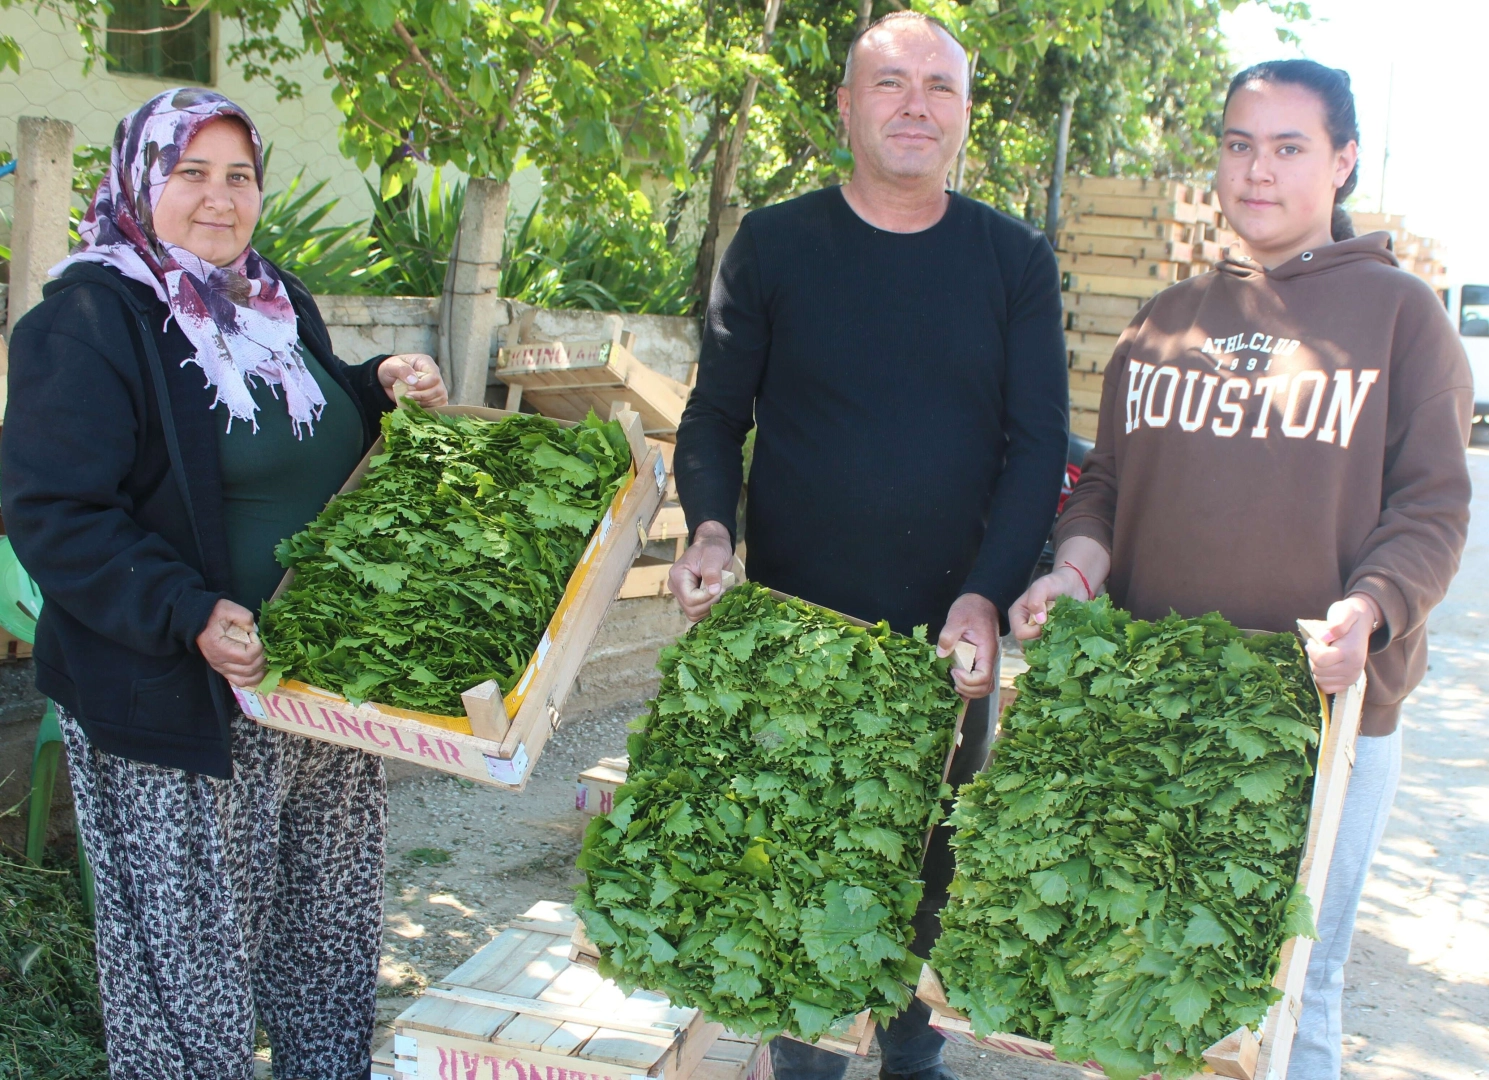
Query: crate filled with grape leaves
439,609
762,860
1138,867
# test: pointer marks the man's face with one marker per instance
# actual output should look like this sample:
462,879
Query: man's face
906,109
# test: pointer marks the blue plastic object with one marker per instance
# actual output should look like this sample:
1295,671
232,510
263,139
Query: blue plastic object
8,168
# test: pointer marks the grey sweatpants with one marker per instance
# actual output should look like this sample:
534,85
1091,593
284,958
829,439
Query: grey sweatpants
1367,806
222,904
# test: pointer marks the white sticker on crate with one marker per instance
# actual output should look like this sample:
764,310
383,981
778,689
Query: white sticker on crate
249,702
505,771
605,523
543,647
661,470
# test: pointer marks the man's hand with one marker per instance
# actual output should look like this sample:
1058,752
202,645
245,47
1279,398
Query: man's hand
414,376
697,578
1340,657
231,646
972,618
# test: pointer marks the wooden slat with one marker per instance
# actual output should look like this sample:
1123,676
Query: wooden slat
646,577
457,1018
493,955
1121,266
1109,285
1168,210
1084,422
1126,247
1083,322
1109,225
1131,187
1091,304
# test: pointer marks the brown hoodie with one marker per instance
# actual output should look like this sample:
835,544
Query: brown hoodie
1273,440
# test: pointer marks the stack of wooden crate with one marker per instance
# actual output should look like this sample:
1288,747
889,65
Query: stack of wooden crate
1123,240
1419,255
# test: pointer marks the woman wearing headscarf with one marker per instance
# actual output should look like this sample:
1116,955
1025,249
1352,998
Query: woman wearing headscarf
175,411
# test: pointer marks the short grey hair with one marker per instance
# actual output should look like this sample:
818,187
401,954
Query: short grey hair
896,17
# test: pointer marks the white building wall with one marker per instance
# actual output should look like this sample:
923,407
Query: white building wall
304,132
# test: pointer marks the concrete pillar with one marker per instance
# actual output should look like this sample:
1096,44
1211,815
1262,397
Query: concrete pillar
43,193
471,308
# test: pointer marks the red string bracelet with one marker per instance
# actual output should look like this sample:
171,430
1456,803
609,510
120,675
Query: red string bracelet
1089,594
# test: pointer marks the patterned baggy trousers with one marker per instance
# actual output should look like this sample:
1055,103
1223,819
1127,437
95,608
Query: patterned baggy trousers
222,904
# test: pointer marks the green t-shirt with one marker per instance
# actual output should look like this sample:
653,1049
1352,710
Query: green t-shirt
273,484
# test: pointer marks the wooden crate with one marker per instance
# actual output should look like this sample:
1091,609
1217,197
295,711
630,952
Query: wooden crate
1244,1054
850,1035
595,793
500,736
565,380
520,1009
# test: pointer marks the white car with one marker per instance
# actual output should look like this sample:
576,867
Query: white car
1469,307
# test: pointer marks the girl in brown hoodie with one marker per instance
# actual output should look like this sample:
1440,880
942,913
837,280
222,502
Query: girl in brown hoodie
1281,439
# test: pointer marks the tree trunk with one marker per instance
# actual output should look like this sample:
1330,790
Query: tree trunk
1057,177
726,167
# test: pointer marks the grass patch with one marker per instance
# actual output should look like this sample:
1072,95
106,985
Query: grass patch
428,856
50,1024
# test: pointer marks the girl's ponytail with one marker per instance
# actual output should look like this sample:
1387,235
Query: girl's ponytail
1331,85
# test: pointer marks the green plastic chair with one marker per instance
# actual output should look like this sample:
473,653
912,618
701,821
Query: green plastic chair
20,606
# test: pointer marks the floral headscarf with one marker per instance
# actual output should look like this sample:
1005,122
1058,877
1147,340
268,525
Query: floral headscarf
238,316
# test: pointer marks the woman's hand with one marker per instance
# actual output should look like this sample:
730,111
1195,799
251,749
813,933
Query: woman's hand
414,376
230,645
1081,566
1340,656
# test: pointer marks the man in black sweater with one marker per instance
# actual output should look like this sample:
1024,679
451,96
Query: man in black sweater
899,350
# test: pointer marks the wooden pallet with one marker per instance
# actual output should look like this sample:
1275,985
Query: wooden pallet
520,1009
565,380
500,736
1244,1054
1092,304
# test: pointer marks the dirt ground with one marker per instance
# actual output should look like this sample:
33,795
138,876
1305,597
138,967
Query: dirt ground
462,859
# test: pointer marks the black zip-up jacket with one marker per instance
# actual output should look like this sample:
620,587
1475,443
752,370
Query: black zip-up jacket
130,554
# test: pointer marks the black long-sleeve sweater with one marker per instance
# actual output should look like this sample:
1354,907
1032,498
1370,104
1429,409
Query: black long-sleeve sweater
909,391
